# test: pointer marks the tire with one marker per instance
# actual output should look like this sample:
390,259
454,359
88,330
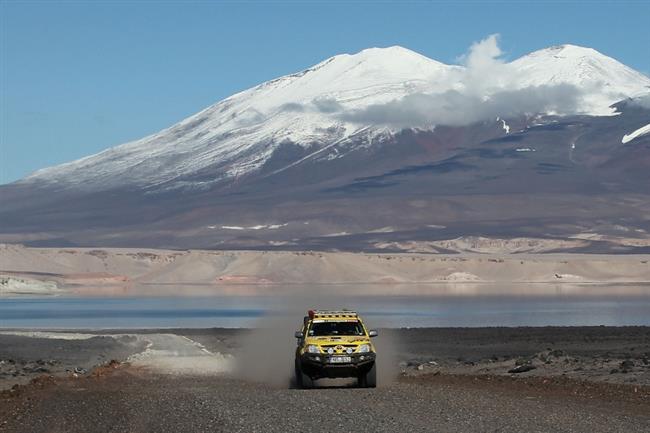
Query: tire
302,380
369,380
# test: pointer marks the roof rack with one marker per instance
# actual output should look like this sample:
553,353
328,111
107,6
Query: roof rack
332,314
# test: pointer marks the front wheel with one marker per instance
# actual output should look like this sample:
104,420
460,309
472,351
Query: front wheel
302,380
369,380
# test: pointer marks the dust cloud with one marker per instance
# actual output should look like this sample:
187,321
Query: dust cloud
267,353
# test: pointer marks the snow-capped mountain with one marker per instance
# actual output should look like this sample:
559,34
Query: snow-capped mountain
383,149
239,135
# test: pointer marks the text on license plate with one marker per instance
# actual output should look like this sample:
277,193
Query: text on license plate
340,359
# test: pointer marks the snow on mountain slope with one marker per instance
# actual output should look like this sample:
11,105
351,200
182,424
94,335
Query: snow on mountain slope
239,134
635,134
605,80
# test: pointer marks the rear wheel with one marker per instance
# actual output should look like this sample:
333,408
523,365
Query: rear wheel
369,380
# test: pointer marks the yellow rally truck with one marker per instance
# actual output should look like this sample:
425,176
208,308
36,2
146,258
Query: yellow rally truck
333,344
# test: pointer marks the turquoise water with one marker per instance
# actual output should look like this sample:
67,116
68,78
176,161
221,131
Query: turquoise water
441,310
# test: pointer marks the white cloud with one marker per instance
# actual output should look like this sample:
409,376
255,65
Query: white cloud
486,88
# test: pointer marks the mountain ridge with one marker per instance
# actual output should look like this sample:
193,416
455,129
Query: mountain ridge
239,135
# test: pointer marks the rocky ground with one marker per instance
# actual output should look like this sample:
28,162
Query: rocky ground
588,379
29,355
598,354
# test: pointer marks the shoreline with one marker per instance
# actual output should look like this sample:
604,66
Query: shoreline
145,329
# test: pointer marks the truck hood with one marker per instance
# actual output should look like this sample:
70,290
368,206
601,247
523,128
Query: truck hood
335,340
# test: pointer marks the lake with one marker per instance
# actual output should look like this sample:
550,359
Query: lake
416,306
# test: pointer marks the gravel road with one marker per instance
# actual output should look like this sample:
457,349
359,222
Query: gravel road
132,400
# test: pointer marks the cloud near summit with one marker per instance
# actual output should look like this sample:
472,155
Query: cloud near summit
485,88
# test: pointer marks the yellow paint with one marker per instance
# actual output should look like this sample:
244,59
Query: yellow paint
338,343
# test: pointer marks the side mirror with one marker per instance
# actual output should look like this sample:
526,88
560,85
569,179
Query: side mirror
299,334
372,333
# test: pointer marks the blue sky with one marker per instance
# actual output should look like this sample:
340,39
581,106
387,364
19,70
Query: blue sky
78,77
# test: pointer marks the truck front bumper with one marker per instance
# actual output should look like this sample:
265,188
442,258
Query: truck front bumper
319,365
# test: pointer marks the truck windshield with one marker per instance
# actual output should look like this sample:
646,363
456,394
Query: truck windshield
336,328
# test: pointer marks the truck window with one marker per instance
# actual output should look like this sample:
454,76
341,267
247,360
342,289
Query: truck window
321,329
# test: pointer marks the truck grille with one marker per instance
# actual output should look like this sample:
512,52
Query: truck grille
338,348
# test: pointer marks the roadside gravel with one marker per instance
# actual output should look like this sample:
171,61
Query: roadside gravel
133,400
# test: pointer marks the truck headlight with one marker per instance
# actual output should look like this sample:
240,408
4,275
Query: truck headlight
312,348
364,348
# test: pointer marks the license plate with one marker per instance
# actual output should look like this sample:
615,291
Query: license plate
340,359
